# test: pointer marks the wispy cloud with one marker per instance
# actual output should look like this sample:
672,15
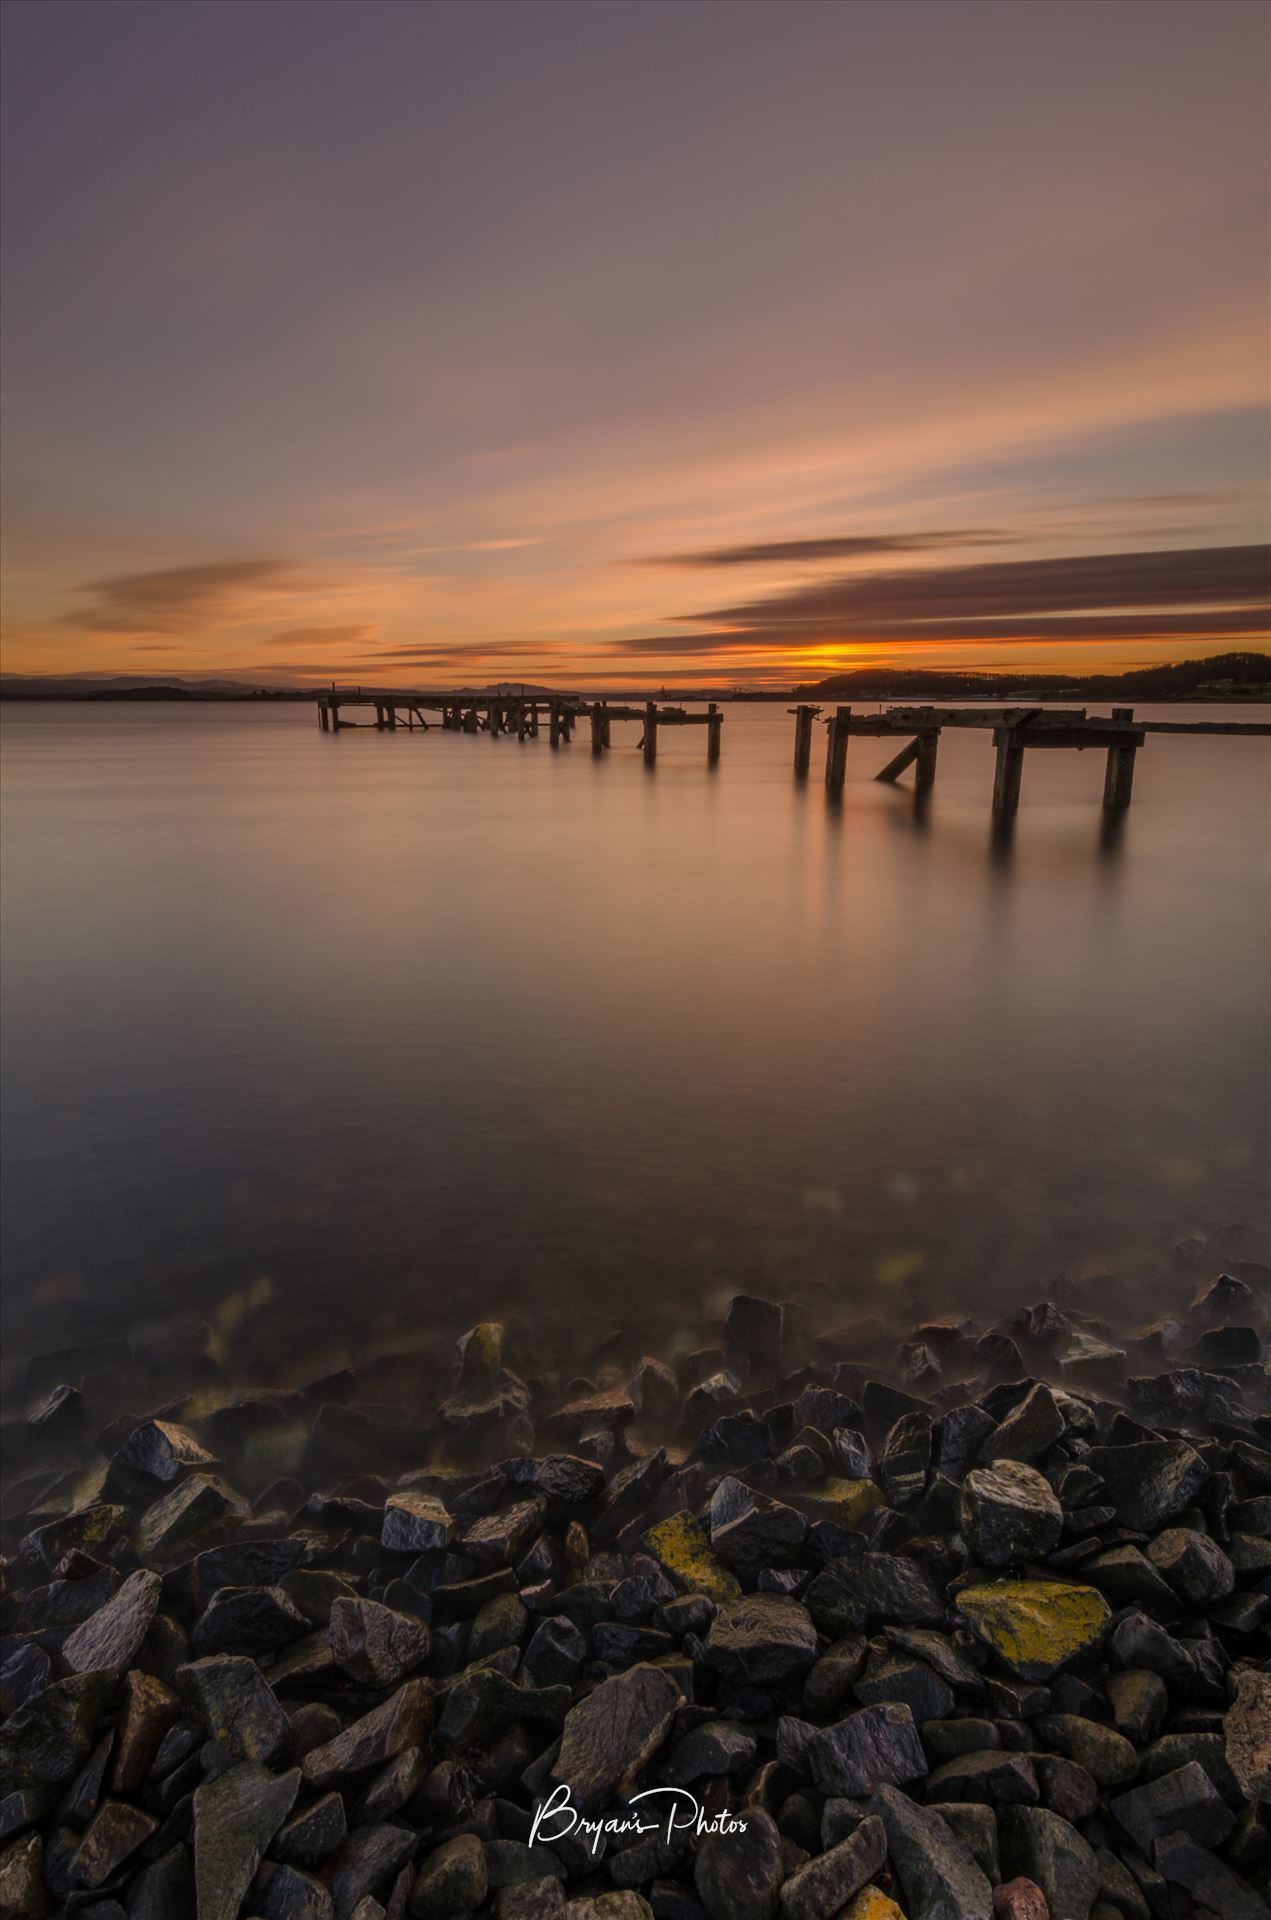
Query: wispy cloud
324,636
177,599
855,546
1187,592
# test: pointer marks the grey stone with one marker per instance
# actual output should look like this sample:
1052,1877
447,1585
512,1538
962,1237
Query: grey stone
883,1587
453,1882
1247,1731
111,1637
555,1653
1105,1754
238,1706
376,1644
879,1746
162,1450
1195,1567
401,1721
113,1834
45,1742
313,1833
762,1639
415,1523
717,1747
1042,1847
1149,1481
1184,1801
897,1676
249,1620
194,1507
738,1876
821,1889
1035,1424
1007,1514
235,1818
610,1735
938,1876
756,1330
369,1857
904,1460
975,1825
991,1777
293,1894
1184,1862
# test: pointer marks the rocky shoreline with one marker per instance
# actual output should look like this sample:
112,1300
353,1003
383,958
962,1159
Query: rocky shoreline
972,1627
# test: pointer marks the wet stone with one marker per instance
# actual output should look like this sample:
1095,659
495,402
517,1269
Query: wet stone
610,1734
975,1825
717,1747
401,1721
876,1746
1035,1626
1045,1849
248,1620
821,1889
1150,1481
1035,1424
898,1677
873,1588
938,1875
114,1833
293,1894
238,1706
1008,1514
194,1507
375,1644
46,1741
763,1640
235,1818
1184,1801
738,1876
992,1778
1193,1565
415,1523
162,1450
1247,1732
904,1459
149,1710
368,1860
1105,1754
312,1834
453,1881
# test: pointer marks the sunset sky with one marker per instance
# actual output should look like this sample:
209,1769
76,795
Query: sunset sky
629,343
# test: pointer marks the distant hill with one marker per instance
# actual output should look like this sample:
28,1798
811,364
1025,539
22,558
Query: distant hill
1228,676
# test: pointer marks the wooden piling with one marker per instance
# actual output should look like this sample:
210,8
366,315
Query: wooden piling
928,744
554,723
803,718
905,758
1007,771
1118,778
837,735
650,733
714,731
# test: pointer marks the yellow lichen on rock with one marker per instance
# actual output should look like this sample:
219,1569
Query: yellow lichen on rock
871,1903
681,1545
846,1502
1035,1626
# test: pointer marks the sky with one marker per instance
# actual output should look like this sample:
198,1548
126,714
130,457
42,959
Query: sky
709,342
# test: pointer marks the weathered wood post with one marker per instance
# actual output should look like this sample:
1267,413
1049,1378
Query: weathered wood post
324,718
599,726
650,733
928,747
392,718
1007,771
335,717
1118,778
836,738
714,728
803,718
554,723
471,721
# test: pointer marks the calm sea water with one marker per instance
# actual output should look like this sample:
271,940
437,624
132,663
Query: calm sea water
319,1039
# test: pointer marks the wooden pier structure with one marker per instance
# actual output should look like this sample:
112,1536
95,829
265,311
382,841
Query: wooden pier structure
518,714
1015,730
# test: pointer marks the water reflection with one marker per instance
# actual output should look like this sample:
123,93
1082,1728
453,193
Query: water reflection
416,1027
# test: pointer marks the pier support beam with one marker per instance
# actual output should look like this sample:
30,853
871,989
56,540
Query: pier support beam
714,732
324,718
896,766
1007,772
928,746
599,728
837,734
1118,779
803,718
650,734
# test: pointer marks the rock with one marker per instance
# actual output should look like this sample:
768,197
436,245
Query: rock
869,1588
871,1903
991,1778
313,1834
878,1746
194,1506
939,1879
293,1894
1139,1703
111,1637
610,1734
1193,1565
1045,1849
1035,1626
961,1433
844,1502
738,1875
235,1818
481,1356
150,1709
591,1411
654,1390
756,1330
819,1890
1125,1575
904,1459
766,1533
1183,1862
1184,1801
113,1834
684,1550
975,1825
564,1479
1138,1642
497,1539
375,1644
23,1675
483,1702
1118,1887
248,1620
1007,1514
555,1654
403,1720
369,1857
45,1742
415,1523
238,1706
1020,1899
23,1889
162,1450
1105,1754
1247,1731
453,1882
715,1748
1149,1481
1035,1424
762,1639
896,1676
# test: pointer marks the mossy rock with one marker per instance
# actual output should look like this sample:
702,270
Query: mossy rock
1035,1626
871,1903
683,1548
846,1502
